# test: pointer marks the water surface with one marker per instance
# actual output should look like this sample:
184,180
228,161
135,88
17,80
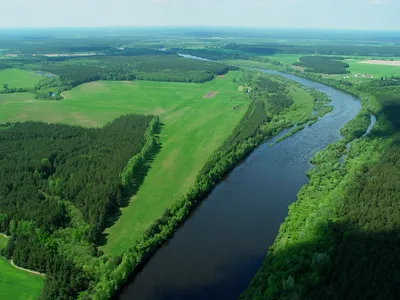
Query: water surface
218,250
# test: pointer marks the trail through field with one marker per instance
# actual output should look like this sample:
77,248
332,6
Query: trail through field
3,235
26,270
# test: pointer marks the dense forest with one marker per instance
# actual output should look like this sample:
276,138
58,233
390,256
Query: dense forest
322,64
322,49
340,238
64,73
59,186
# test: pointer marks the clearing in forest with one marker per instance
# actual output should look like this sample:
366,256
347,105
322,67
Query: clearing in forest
3,241
17,284
193,129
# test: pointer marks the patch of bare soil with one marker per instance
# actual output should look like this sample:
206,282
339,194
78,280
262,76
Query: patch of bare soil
395,63
221,76
210,95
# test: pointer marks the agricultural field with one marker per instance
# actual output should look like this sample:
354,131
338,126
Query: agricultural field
15,78
17,284
357,66
197,119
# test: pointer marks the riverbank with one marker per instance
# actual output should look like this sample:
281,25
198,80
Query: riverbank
347,210
227,226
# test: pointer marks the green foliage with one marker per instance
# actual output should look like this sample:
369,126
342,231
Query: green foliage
290,133
322,64
250,132
322,49
340,237
162,67
82,166
18,285
357,127
55,163
3,243
131,170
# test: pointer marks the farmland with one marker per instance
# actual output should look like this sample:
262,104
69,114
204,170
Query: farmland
17,284
194,128
358,66
18,78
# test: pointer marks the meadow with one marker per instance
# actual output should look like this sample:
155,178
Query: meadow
376,71
15,78
194,127
16,284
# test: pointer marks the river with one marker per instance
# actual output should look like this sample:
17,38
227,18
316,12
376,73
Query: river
218,250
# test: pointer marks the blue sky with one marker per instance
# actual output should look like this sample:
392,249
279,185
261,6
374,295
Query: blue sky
352,14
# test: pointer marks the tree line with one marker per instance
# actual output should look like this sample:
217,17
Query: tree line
322,64
59,185
167,67
348,50
340,238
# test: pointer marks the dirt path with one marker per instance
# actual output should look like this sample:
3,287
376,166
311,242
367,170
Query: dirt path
62,95
3,235
26,270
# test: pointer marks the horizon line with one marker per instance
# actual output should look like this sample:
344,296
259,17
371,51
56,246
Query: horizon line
194,27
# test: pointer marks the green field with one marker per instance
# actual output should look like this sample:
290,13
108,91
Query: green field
3,242
18,78
303,104
16,284
194,128
374,70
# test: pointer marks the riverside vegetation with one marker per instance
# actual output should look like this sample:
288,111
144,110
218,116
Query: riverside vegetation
62,235
339,238
58,230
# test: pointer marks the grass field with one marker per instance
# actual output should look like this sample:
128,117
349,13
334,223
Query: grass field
3,242
303,104
18,78
16,284
374,70
194,128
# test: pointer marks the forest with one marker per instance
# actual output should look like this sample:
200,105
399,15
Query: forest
322,64
340,238
321,49
60,178
141,66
